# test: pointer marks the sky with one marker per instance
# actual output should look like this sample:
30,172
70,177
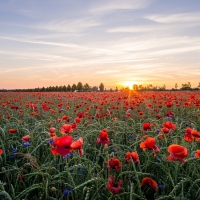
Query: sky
116,42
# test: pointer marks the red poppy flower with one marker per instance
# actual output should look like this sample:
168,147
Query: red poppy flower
77,120
12,130
146,127
177,153
1,151
149,143
26,138
169,125
132,155
52,131
62,145
197,154
188,135
150,183
165,130
65,118
112,186
81,114
114,164
170,114
66,129
103,137
196,135
78,145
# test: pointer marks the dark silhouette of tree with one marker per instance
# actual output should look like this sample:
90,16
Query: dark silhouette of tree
64,89
86,87
94,89
43,89
135,87
199,85
69,88
116,89
73,87
186,86
79,86
176,86
101,87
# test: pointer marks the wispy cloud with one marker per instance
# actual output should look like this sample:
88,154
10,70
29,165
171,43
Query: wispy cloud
107,71
138,29
104,6
67,26
175,18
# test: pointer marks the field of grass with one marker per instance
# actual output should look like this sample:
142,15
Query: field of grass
75,145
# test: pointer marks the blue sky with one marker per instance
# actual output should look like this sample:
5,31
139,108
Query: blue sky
117,42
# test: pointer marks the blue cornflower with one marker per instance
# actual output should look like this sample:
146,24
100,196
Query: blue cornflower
81,171
114,150
158,159
169,119
192,155
27,144
157,130
66,192
12,157
160,186
66,156
130,136
14,150
50,141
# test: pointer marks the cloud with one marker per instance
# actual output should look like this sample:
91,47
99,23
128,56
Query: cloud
105,6
67,26
107,72
138,29
175,18
60,44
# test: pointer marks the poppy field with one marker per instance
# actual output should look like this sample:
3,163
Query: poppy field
99,145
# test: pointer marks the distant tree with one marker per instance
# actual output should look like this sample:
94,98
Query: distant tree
86,87
186,86
164,87
116,89
140,87
176,86
111,90
69,88
43,89
94,89
64,88
135,87
199,85
101,87
79,86
73,87
56,88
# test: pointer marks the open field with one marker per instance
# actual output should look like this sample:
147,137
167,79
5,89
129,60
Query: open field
112,145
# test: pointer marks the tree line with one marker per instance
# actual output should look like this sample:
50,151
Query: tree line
87,88
150,87
69,88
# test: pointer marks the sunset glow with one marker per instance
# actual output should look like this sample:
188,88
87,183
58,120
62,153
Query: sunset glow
120,43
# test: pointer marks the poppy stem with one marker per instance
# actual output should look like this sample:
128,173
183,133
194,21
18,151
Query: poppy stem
131,191
136,174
